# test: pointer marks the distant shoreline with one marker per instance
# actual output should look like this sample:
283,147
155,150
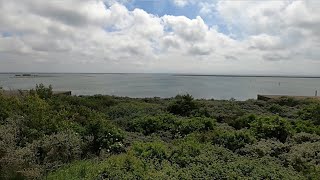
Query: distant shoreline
182,75
271,76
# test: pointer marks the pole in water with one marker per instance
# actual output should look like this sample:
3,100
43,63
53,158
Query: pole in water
316,93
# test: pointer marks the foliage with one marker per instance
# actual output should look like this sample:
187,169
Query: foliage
311,112
265,147
46,136
188,160
42,91
243,121
286,101
183,105
232,139
272,127
178,126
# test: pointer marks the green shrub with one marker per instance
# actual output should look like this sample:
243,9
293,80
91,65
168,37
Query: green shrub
233,140
305,137
276,109
264,147
16,162
9,106
151,124
57,149
103,135
178,126
227,111
183,105
306,126
311,112
42,91
286,101
77,170
185,151
188,160
305,158
272,127
243,122
183,127
153,150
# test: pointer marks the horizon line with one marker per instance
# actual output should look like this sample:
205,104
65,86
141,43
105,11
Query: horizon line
178,74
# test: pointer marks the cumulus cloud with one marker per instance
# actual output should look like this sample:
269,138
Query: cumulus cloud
265,42
105,36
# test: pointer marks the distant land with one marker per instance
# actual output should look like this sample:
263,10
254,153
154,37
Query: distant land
273,76
174,74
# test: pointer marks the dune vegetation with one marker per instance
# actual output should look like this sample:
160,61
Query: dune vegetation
44,136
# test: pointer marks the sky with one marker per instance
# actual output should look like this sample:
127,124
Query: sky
251,37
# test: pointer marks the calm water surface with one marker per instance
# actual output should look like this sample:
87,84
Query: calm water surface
166,85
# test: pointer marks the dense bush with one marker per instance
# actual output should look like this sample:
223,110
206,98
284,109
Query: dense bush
286,101
243,121
178,126
311,112
189,160
306,126
183,105
272,127
103,136
305,158
232,139
269,147
42,91
46,136
57,149
305,137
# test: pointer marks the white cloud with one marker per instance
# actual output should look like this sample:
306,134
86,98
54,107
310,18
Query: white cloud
104,36
207,9
181,3
265,42
189,30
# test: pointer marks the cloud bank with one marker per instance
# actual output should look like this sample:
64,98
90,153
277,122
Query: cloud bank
257,37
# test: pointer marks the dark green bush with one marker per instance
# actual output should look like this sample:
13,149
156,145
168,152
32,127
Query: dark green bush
57,149
276,109
153,150
178,126
305,137
42,91
103,135
272,127
243,122
286,101
183,105
264,147
233,140
9,106
311,112
306,126
305,158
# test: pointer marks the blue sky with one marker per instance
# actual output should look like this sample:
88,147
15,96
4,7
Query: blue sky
164,7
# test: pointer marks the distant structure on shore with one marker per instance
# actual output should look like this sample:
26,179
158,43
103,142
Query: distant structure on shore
269,97
25,75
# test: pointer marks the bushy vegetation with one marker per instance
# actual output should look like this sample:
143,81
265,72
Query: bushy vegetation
44,136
